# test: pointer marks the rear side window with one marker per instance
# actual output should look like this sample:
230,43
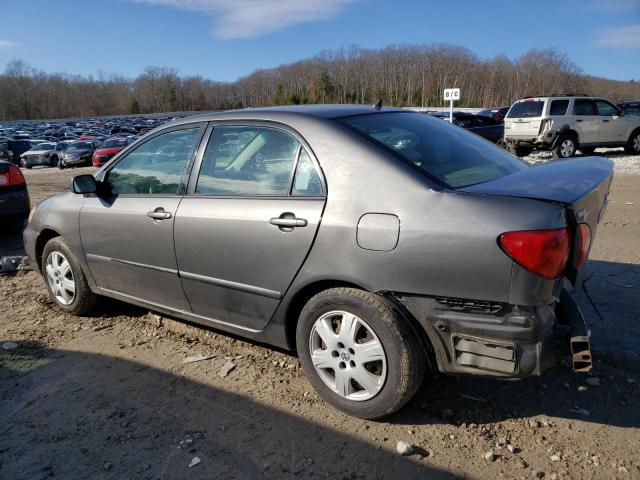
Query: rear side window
249,160
584,107
526,108
558,107
156,166
452,156
306,180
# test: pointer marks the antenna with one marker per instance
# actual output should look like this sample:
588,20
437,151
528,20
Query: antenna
378,104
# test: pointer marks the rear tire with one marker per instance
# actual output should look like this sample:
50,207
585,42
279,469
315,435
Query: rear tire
565,147
65,281
378,348
633,145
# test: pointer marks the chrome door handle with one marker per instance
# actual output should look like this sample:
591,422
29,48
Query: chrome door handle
159,214
578,120
288,222
605,120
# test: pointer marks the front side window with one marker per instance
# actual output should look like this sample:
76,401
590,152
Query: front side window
558,107
605,109
452,156
584,107
247,160
156,167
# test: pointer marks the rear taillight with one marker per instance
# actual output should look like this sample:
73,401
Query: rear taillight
543,252
11,176
584,242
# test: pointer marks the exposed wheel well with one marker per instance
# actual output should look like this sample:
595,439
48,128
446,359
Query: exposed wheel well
45,235
571,133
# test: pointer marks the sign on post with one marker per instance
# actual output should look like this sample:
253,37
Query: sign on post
451,94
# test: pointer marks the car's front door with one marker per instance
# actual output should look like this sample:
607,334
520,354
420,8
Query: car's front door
247,223
612,128
127,230
587,121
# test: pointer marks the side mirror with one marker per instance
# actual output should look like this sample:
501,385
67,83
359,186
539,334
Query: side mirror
84,184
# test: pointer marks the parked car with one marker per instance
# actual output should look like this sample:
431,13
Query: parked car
373,241
565,124
44,154
10,150
108,149
78,153
497,114
14,197
481,125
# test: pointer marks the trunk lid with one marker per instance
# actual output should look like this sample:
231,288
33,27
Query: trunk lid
581,184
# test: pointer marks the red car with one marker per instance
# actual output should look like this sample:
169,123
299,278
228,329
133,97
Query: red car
108,149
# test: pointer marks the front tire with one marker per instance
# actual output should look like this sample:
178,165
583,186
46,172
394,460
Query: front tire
65,281
565,147
633,145
359,352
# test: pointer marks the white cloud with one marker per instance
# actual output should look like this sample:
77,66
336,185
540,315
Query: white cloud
253,18
619,37
6,44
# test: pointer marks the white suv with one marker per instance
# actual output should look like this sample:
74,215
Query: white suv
566,123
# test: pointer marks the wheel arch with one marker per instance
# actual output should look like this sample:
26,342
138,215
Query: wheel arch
44,236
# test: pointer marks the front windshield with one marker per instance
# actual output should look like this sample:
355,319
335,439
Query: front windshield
81,146
447,153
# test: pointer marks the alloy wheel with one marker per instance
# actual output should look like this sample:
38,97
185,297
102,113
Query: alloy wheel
60,278
567,148
348,356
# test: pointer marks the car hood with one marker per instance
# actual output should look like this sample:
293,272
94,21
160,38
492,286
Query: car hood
108,151
36,152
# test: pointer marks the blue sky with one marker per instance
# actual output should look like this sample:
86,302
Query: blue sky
226,39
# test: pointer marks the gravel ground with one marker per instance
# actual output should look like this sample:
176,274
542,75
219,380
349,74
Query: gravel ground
109,396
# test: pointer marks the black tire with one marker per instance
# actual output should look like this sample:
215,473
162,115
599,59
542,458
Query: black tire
53,161
60,164
587,150
565,147
502,143
84,299
633,145
519,151
405,357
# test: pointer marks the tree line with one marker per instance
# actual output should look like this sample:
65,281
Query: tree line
405,75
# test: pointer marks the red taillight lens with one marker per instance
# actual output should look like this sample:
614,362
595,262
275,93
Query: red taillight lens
11,176
584,239
543,252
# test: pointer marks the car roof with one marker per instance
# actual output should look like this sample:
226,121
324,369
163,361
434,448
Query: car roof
326,111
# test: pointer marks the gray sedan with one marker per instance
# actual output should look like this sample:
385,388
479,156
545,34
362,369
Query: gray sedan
376,242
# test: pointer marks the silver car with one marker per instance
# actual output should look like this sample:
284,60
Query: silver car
376,242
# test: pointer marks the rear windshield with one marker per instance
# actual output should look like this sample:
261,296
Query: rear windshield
449,154
527,108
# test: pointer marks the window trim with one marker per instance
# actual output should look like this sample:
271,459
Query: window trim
197,165
102,175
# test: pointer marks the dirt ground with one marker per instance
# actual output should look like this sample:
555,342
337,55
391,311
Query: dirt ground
108,396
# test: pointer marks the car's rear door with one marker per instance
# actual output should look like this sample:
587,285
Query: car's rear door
127,231
247,223
586,120
612,128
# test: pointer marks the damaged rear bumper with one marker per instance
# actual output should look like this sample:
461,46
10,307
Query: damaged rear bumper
499,340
